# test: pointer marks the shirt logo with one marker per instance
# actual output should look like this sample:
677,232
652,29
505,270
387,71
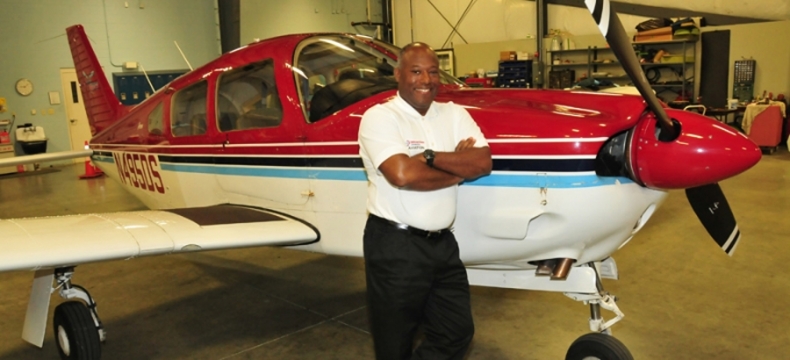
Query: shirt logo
415,145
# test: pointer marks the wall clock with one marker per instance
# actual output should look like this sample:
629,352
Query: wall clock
24,87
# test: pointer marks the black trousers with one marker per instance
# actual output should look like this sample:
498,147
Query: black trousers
413,280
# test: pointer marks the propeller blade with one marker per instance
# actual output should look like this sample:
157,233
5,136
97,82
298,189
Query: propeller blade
714,212
612,29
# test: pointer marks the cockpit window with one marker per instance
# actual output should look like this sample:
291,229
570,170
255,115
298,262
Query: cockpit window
247,98
188,110
334,71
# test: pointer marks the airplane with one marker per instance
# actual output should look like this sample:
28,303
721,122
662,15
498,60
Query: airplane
259,148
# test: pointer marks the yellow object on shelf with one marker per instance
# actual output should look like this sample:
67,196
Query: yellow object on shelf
675,59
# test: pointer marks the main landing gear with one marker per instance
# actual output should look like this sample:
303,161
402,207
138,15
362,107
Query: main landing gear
600,344
78,330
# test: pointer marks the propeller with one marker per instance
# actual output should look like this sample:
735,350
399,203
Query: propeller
612,29
708,201
714,212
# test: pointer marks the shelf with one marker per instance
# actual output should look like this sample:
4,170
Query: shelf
667,64
567,65
568,51
679,41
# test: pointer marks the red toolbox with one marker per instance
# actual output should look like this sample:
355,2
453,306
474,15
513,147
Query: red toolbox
766,129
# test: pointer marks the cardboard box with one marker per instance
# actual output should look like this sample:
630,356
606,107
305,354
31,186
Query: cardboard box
660,34
653,38
507,55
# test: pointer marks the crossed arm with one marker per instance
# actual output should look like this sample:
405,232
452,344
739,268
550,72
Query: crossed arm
449,168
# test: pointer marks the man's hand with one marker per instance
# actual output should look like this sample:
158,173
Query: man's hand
465,144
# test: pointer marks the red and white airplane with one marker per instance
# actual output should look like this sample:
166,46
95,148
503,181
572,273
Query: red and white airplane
259,147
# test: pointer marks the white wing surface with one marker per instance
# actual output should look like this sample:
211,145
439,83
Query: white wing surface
46,242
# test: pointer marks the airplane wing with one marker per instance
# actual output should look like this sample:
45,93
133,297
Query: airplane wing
48,242
30,159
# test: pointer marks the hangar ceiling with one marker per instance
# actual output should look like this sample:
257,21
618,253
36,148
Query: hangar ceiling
716,12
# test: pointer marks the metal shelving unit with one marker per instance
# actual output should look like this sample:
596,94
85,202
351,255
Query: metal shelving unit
683,67
515,74
591,60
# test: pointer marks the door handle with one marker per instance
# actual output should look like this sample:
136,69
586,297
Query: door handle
73,120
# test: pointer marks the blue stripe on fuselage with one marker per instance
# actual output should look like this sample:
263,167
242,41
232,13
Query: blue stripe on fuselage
497,178
494,179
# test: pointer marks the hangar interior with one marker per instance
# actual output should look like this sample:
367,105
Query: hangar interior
682,297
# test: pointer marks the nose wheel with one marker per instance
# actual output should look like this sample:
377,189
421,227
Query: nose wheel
75,332
78,330
598,346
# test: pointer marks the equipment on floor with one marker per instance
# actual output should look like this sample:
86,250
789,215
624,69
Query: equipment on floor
90,170
32,140
6,145
766,129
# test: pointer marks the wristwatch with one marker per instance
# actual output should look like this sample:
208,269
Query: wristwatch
429,156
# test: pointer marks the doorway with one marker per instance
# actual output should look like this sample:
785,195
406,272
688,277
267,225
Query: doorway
79,128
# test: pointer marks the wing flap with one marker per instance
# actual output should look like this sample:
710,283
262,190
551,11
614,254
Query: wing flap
35,243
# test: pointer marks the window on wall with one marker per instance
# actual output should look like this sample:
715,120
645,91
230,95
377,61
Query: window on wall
247,98
188,113
155,123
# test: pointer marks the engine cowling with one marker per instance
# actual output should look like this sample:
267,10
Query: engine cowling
706,151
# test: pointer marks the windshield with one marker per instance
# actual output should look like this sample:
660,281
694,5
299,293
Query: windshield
335,71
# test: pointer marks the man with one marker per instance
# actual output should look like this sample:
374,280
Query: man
416,152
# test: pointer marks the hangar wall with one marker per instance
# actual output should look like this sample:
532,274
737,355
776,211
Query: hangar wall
486,21
35,47
262,19
763,42
493,22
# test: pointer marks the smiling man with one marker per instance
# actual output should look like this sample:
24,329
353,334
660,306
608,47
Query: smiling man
416,151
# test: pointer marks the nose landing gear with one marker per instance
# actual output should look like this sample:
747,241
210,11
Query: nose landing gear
78,330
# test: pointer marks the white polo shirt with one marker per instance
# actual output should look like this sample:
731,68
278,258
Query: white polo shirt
395,127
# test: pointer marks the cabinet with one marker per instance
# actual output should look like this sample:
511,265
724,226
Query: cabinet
579,64
514,74
669,67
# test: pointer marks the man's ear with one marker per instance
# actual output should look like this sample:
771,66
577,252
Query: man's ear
397,73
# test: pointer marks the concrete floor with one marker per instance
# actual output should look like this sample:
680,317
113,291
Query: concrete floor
683,298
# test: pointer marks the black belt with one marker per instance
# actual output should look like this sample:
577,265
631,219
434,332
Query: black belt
428,234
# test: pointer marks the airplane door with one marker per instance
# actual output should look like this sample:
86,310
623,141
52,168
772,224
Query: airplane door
79,128
262,157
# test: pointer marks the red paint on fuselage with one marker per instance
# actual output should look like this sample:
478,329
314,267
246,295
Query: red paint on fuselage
516,122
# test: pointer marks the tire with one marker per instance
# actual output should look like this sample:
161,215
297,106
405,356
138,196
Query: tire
597,346
76,335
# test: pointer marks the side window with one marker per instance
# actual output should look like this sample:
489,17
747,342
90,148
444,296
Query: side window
247,98
188,113
155,126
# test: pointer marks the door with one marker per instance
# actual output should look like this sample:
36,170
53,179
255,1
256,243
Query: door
79,128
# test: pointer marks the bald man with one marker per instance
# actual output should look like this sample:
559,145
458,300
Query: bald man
416,151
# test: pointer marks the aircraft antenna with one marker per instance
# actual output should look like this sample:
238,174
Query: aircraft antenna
182,55
147,78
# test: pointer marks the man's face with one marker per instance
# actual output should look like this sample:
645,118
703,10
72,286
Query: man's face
418,77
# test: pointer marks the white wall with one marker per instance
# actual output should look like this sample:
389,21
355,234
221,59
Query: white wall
35,47
262,19
765,43
487,21
491,21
